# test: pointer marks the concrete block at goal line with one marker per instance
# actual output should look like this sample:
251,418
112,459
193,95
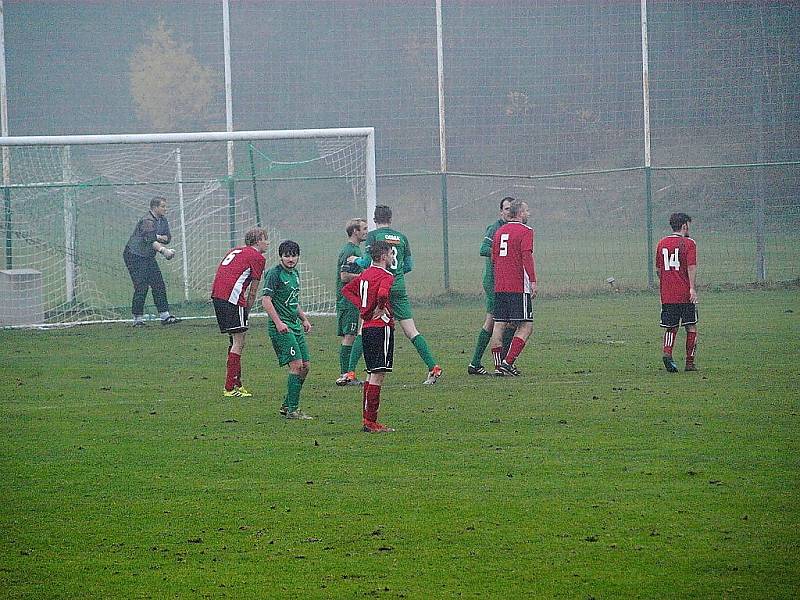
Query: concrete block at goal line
21,297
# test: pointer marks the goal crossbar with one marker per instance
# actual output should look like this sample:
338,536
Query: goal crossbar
201,136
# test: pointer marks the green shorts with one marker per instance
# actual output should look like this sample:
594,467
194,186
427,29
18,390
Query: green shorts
346,320
289,346
401,306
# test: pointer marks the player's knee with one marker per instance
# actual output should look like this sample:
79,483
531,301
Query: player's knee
409,328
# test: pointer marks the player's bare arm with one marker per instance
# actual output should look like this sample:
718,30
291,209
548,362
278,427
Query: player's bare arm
252,292
692,271
304,319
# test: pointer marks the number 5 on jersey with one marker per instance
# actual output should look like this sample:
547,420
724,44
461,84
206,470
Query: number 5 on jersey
503,244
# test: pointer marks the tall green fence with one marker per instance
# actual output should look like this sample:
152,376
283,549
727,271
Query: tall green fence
542,100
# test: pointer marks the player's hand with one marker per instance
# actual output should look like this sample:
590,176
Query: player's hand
380,313
281,327
168,253
307,326
693,296
351,259
162,238
534,289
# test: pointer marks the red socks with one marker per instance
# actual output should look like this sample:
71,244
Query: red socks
669,340
372,400
691,345
517,344
497,355
233,376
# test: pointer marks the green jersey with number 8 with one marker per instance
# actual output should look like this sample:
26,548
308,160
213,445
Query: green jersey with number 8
400,262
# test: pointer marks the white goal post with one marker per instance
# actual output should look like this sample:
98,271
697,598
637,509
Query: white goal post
70,202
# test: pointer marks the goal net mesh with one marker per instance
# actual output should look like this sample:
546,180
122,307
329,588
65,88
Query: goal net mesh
69,211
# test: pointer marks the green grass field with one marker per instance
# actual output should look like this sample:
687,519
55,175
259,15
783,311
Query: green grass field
596,475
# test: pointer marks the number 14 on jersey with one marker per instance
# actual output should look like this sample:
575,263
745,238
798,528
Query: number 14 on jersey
671,261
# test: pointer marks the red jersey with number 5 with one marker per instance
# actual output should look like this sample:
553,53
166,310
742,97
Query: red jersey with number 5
512,258
370,292
674,255
235,272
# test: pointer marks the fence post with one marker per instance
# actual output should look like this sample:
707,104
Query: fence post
759,79
9,244
231,209
648,186
445,235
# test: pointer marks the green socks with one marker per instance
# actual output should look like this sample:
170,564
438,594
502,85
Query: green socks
424,352
344,358
293,386
480,347
355,354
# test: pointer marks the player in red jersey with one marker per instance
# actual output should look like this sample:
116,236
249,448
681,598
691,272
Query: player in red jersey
676,261
514,286
233,294
370,293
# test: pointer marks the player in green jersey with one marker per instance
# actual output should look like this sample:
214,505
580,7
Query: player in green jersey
400,264
485,334
288,324
347,318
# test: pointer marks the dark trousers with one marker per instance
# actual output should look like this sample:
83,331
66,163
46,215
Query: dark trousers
145,275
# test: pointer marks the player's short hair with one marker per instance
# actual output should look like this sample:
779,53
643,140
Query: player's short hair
354,224
508,199
516,206
156,201
678,220
256,234
289,248
378,249
383,214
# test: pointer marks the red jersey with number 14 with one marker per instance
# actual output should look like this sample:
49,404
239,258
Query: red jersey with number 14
512,257
369,292
674,255
235,272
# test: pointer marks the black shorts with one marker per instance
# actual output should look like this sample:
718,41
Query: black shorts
673,315
512,306
378,343
231,318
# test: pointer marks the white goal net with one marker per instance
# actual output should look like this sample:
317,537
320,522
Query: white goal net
70,204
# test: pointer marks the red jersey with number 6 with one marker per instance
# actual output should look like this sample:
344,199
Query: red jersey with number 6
235,272
370,292
512,258
674,255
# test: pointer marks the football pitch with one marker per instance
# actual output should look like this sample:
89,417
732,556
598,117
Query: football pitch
597,474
